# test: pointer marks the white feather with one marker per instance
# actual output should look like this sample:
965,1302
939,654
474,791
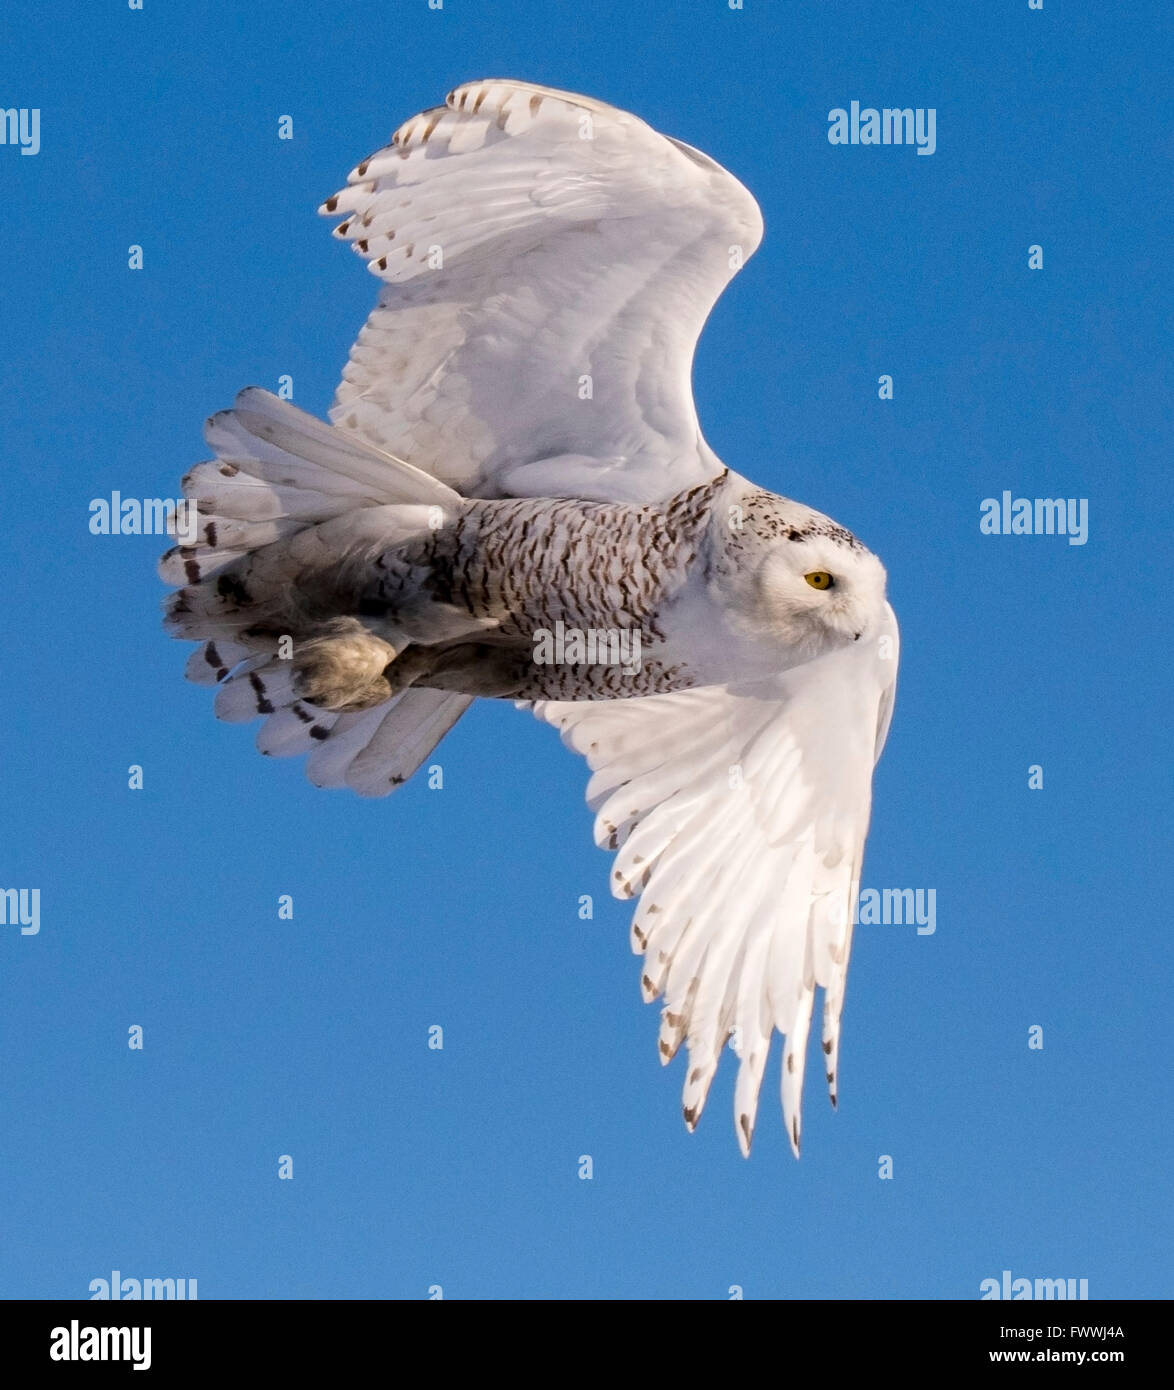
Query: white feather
481,217
735,878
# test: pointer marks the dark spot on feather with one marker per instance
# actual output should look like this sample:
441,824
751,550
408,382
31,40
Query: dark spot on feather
229,586
790,1062
318,732
229,470
210,532
690,1113
191,568
362,245
331,202
362,169
212,657
827,1046
744,1123
304,715
263,705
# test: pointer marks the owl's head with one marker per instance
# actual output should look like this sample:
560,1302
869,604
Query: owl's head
818,587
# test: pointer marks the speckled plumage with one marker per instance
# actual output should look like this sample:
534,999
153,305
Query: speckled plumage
526,564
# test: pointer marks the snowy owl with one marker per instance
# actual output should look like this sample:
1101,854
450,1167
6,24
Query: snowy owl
514,500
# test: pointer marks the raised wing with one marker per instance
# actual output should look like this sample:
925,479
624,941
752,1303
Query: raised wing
739,815
548,263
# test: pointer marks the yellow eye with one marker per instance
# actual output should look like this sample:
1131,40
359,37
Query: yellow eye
819,579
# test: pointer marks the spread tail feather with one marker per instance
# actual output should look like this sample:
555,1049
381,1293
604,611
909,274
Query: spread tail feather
288,495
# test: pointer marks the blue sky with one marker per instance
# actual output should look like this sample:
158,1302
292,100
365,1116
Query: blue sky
459,1168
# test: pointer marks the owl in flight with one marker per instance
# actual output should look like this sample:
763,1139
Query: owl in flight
514,500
